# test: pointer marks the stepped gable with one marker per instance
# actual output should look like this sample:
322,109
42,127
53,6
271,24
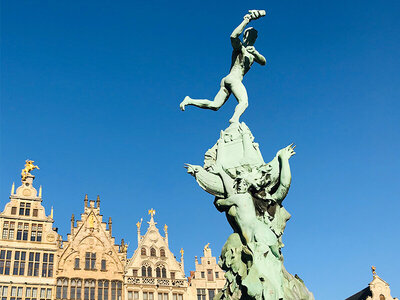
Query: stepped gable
90,257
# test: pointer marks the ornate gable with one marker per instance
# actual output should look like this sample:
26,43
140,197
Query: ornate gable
153,263
91,248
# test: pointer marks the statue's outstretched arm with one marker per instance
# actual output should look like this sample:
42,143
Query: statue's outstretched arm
252,15
285,174
235,41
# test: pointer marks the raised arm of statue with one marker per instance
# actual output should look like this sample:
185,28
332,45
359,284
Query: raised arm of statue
285,174
252,15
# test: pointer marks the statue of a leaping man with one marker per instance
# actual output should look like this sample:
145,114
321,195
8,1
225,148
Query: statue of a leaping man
243,56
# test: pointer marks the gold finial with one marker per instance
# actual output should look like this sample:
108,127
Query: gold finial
12,188
373,270
165,228
29,166
206,247
152,212
51,212
138,224
40,192
182,251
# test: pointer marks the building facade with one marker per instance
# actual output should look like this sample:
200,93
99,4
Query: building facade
207,279
377,289
28,244
153,273
90,264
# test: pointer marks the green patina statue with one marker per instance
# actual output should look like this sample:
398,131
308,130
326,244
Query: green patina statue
250,192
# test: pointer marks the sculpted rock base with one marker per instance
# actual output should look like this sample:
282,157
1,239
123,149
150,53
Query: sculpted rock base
250,193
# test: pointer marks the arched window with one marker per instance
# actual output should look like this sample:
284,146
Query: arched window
102,289
62,288
162,253
153,252
116,290
381,297
164,273
144,271
143,251
76,289
90,291
149,272
158,272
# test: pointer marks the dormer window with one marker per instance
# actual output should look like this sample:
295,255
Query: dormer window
143,251
162,253
153,252
24,209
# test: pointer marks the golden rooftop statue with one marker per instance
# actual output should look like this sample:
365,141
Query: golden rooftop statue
206,247
138,224
373,270
29,166
152,212
182,251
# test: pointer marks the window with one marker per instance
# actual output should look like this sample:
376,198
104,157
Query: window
172,275
62,288
162,296
103,264
5,262
30,293
135,295
158,272
210,275
201,294
16,293
47,266
149,272
143,251
177,297
25,232
76,266
36,232
162,253
45,294
19,262
144,271
14,210
33,264
202,275
216,275
153,252
34,212
76,289
148,296
211,294
116,290
5,230
3,292
134,272
90,261
19,232
90,286
130,295
24,209
102,289
164,273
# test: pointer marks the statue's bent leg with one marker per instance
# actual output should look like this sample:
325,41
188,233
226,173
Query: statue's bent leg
239,91
219,100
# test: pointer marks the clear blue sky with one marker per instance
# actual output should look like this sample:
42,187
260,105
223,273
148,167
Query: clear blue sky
90,91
